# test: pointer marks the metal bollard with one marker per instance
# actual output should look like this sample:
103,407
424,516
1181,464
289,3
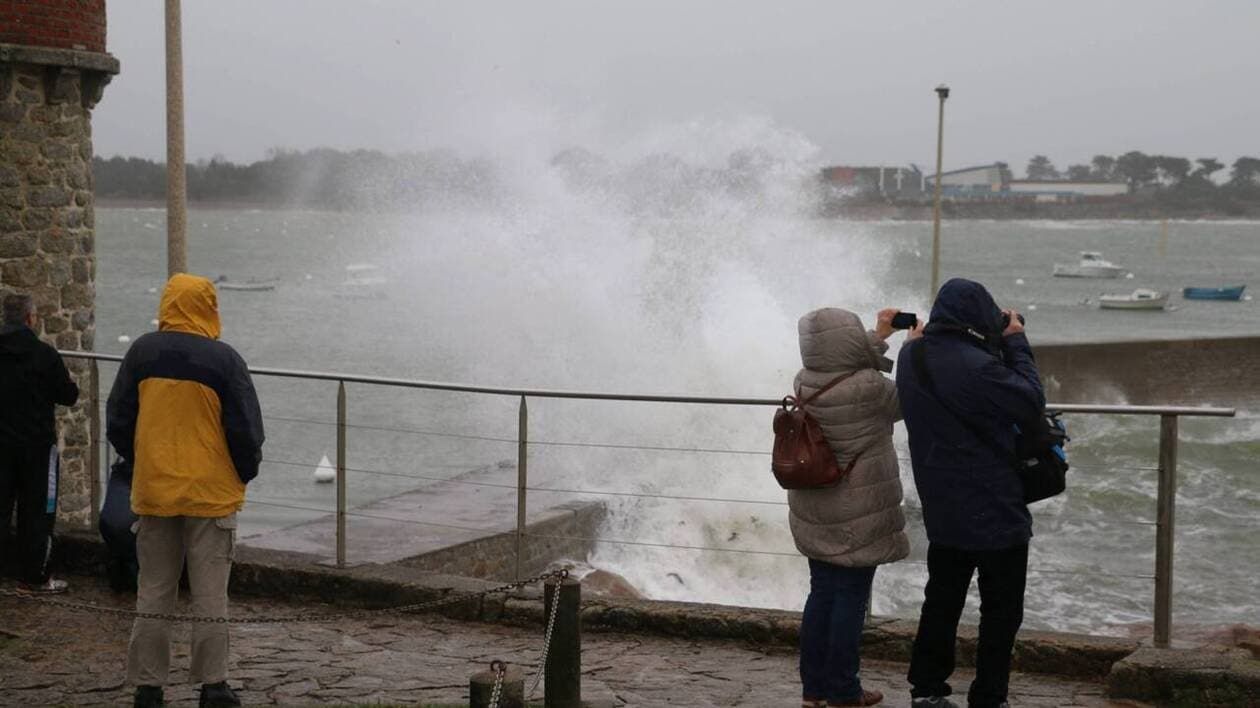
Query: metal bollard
564,657
511,693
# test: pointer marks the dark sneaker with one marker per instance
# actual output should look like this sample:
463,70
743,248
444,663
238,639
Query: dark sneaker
868,698
218,695
51,586
933,702
149,697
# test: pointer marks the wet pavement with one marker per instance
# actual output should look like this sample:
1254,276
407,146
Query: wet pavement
55,656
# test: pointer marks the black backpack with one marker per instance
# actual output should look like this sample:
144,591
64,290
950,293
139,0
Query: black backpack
1040,458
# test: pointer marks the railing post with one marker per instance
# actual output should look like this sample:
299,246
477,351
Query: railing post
94,434
1165,508
341,474
522,478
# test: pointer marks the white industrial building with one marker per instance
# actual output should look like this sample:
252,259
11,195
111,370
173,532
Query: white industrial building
972,181
1044,190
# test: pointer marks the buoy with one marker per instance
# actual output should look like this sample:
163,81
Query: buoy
1032,307
152,290
1128,276
324,471
1019,281
123,339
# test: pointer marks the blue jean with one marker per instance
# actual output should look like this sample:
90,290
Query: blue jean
831,631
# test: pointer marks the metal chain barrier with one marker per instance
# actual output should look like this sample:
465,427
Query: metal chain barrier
499,668
560,574
551,625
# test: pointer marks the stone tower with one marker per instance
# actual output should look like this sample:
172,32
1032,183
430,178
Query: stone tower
53,70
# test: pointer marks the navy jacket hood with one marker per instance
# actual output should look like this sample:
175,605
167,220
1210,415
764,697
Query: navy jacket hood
966,304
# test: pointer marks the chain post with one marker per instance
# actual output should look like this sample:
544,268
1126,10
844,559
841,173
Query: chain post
562,646
341,474
1165,508
500,687
522,479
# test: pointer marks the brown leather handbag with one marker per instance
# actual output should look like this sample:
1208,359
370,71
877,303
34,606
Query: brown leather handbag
802,458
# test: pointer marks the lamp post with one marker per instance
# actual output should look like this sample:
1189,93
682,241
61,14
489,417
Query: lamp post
176,190
943,92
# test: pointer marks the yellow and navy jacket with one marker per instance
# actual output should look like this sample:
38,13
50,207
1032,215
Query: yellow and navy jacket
184,411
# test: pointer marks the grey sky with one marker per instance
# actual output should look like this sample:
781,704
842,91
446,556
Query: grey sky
1068,79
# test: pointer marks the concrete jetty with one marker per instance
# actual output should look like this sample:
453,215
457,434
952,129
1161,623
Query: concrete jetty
463,526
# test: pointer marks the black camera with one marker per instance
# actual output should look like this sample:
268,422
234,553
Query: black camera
1006,321
904,320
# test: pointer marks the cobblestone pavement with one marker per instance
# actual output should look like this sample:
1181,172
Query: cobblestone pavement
50,656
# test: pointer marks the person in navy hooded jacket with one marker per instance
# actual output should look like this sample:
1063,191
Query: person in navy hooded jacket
972,382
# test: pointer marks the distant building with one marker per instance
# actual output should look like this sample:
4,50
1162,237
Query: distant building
979,182
886,182
1065,190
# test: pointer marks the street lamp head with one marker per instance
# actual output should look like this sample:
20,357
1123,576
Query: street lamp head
942,91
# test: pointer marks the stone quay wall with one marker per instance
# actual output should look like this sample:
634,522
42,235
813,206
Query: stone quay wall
564,532
1222,371
47,234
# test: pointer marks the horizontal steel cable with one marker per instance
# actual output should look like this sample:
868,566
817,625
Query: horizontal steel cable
642,495
387,473
361,515
646,495
1060,571
427,433
1049,571
313,617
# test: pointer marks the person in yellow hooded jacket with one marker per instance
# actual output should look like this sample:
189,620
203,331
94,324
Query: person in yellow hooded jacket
184,412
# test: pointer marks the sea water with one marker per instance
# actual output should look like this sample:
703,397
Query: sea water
679,265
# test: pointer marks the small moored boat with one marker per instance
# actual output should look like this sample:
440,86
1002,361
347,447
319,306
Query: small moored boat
1092,265
222,283
1140,299
1234,292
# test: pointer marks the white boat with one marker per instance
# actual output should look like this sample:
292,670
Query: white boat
1140,299
222,283
254,287
1092,265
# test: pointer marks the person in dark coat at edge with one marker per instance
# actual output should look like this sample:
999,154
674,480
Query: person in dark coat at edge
33,381
982,367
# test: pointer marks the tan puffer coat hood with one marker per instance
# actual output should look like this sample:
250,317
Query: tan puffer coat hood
859,522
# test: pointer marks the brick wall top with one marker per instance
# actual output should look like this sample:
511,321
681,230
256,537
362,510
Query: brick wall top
59,24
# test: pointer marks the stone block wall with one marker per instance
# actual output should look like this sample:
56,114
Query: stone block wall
562,532
1222,371
47,239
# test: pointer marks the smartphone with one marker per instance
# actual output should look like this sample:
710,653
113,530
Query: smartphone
904,320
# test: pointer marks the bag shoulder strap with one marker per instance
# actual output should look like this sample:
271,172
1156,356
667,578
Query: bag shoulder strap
918,357
827,387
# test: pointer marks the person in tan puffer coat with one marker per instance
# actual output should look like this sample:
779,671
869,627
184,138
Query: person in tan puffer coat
847,530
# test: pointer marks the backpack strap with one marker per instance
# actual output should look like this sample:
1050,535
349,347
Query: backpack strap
798,402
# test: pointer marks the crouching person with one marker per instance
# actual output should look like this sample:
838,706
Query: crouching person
183,410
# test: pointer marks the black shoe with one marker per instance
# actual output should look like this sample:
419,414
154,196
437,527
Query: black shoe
218,695
149,697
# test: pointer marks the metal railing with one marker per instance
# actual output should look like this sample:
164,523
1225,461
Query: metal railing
1167,467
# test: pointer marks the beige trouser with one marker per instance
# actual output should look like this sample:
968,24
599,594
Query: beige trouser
162,546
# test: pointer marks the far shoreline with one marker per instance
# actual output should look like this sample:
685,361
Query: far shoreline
951,211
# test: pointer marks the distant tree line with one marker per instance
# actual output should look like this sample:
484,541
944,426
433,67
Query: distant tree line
322,177
1140,170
